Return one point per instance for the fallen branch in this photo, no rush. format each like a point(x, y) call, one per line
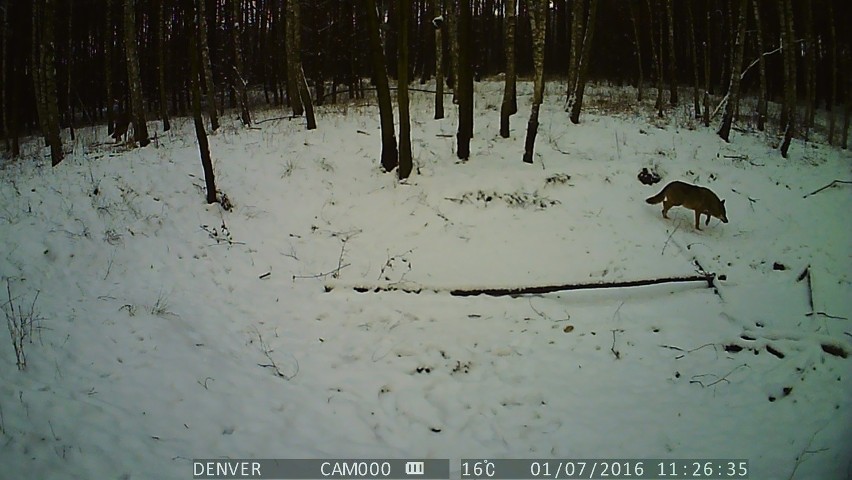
point(832, 184)
point(525, 290)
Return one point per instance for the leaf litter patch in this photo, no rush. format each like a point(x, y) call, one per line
point(514, 199)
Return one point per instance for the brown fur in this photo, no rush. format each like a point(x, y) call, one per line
point(699, 199)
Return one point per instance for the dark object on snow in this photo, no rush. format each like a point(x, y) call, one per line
point(122, 123)
point(779, 266)
point(648, 178)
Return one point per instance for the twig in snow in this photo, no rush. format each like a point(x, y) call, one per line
point(612, 348)
point(663, 251)
point(800, 458)
point(724, 378)
point(204, 384)
point(687, 352)
point(832, 184)
point(266, 352)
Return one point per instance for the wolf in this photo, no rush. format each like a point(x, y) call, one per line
point(699, 199)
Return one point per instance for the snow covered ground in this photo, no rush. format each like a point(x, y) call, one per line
point(166, 329)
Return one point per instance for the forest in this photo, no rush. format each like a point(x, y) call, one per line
point(71, 63)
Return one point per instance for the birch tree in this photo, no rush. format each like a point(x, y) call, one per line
point(736, 67)
point(538, 22)
point(510, 99)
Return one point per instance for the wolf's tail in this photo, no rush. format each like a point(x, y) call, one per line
point(657, 198)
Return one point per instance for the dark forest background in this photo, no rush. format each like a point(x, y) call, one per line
point(70, 62)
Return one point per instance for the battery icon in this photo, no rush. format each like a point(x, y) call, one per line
point(414, 468)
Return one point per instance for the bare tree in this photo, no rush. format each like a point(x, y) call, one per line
point(638, 47)
point(657, 55)
point(200, 133)
point(206, 66)
point(240, 81)
point(575, 101)
point(672, 56)
point(465, 81)
point(788, 112)
point(402, 92)
point(762, 98)
point(510, 98)
point(390, 155)
point(44, 74)
point(438, 22)
point(134, 77)
point(302, 95)
point(736, 66)
point(161, 65)
point(578, 14)
point(538, 22)
point(696, 95)
point(833, 98)
point(109, 38)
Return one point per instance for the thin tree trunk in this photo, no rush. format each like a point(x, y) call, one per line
point(465, 81)
point(736, 66)
point(292, 62)
point(810, 68)
point(161, 65)
point(538, 24)
point(37, 70)
point(762, 100)
point(240, 80)
point(69, 110)
point(206, 66)
point(672, 57)
point(708, 87)
point(439, 62)
point(4, 106)
point(402, 91)
point(134, 80)
point(696, 95)
point(510, 98)
point(453, 21)
point(638, 47)
point(657, 57)
point(109, 39)
point(200, 134)
point(578, 15)
point(583, 67)
point(787, 40)
point(48, 67)
point(830, 104)
point(390, 154)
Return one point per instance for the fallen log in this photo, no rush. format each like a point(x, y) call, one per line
point(525, 290)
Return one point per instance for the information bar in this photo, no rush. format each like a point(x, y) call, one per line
point(636, 469)
point(310, 469)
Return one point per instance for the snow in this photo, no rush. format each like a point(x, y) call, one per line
point(156, 340)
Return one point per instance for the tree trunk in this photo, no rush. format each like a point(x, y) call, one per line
point(453, 21)
point(4, 106)
point(240, 77)
point(134, 79)
point(696, 95)
point(161, 65)
point(672, 56)
point(538, 24)
point(708, 87)
point(762, 100)
point(109, 39)
point(578, 15)
point(36, 66)
point(510, 98)
point(402, 91)
point(830, 104)
point(206, 67)
point(736, 67)
point(638, 47)
point(201, 135)
point(788, 42)
point(69, 62)
point(47, 60)
point(439, 62)
point(583, 67)
point(656, 53)
point(465, 81)
point(390, 155)
point(810, 68)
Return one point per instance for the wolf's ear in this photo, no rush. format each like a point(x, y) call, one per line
point(723, 202)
